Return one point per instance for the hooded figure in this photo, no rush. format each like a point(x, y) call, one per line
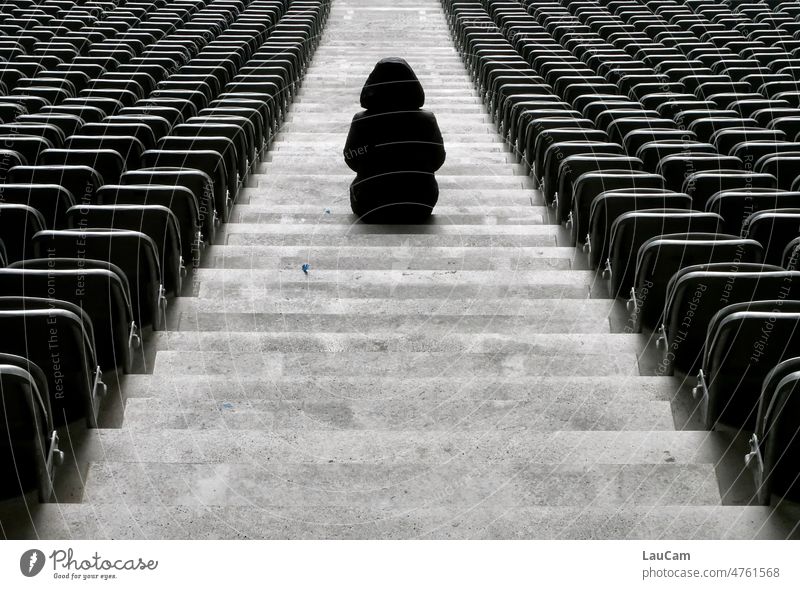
point(394, 147)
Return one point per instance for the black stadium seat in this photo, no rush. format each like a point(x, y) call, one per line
point(28, 443)
point(744, 341)
point(158, 222)
point(106, 162)
point(51, 200)
point(196, 181)
point(660, 257)
point(704, 290)
point(100, 288)
point(774, 445)
point(75, 381)
point(773, 229)
point(607, 206)
point(630, 230)
point(132, 251)
point(204, 160)
point(80, 181)
point(589, 185)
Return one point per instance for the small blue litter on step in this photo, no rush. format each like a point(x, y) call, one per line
point(327, 211)
point(227, 405)
point(305, 268)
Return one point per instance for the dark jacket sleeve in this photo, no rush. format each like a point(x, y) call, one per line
point(356, 149)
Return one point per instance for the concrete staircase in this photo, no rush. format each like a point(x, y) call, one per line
point(460, 379)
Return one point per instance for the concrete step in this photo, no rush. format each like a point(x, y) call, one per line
point(188, 390)
point(153, 414)
point(546, 347)
point(388, 258)
point(589, 319)
point(572, 362)
point(433, 448)
point(234, 286)
point(456, 484)
point(260, 234)
point(300, 213)
point(423, 404)
point(484, 521)
point(271, 355)
point(436, 310)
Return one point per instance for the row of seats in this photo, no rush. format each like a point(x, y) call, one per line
point(127, 131)
point(665, 135)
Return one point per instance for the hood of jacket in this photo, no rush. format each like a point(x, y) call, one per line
point(392, 85)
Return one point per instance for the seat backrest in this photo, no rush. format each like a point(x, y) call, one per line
point(784, 166)
point(705, 127)
point(51, 200)
point(704, 290)
point(132, 251)
point(791, 255)
point(630, 230)
point(113, 126)
point(74, 393)
point(589, 185)
point(106, 162)
point(634, 139)
point(26, 428)
point(18, 224)
point(81, 181)
point(196, 181)
point(9, 159)
point(127, 146)
point(207, 161)
point(677, 167)
point(752, 151)
point(660, 257)
point(99, 291)
point(156, 221)
point(240, 150)
point(773, 229)
point(743, 343)
point(28, 146)
point(557, 152)
point(701, 186)
point(67, 124)
point(727, 139)
point(573, 166)
point(776, 437)
point(618, 129)
point(171, 114)
point(34, 129)
point(652, 152)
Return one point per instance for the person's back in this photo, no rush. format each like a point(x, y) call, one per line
point(394, 147)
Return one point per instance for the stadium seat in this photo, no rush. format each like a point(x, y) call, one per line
point(75, 381)
point(773, 447)
point(743, 343)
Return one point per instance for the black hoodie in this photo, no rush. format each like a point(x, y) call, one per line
point(394, 146)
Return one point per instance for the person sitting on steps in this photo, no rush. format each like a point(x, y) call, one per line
point(394, 146)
